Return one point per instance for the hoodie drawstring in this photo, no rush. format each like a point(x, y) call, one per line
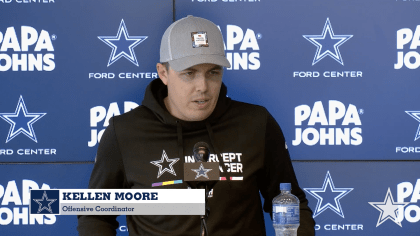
point(211, 136)
point(180, 142)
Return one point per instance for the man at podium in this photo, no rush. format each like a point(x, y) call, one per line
point(148, 146)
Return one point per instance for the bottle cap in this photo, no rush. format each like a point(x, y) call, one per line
point(285, 186)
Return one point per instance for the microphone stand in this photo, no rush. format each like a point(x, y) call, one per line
point(201, 154)
point(203, 228)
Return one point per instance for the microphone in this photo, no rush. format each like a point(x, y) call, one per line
point(201, 172)
point(201, 152)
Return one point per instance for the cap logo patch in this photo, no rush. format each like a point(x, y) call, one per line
point(199, 39)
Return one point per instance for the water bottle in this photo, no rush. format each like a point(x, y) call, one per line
point(286, 212)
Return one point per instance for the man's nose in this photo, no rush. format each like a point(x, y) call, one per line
point(201, 83)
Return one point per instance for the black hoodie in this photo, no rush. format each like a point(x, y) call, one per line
point(251, 149)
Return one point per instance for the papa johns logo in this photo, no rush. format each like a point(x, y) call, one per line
point(312, 135)
point(242, 48)
point(18, 211)
point(410, 59)
point(32, 51)
point(100, 113)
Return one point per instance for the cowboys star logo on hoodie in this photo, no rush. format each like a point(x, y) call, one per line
point(163, 162)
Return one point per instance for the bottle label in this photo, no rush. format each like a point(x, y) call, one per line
point(285, 214)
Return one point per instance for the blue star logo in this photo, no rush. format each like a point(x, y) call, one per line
point(327, 43)
point(122, 45)
point(416, 116)
point(21, 121)
point(44, 203)
point(201, 172)
point(328, 196)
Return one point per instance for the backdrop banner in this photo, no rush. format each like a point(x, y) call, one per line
point(340, 77)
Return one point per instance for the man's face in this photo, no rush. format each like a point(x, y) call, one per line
point(193, 92)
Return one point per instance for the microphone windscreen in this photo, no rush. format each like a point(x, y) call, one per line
point(201, 152)
point(201, 144)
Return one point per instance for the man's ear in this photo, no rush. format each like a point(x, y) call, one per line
point(162, 72)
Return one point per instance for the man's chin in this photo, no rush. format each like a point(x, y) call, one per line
point(199, 115)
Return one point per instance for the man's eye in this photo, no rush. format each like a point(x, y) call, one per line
point(188, 73)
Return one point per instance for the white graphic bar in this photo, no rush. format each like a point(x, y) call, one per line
point(129, 202)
